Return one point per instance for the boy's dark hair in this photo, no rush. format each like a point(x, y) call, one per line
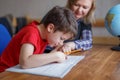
point(63, 19)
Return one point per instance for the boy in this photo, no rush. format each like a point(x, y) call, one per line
point(27, 46)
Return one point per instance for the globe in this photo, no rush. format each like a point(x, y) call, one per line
point(112, 23)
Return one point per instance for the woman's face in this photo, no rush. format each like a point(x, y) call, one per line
point(81, 8)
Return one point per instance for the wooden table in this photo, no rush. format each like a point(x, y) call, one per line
point(100, 63)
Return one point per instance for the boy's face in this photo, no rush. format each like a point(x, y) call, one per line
point(57, 38)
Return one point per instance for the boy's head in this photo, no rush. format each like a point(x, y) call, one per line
point(63, 21)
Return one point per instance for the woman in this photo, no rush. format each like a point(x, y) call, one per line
point(84, 13)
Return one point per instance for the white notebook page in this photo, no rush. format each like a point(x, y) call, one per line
point(53, 70)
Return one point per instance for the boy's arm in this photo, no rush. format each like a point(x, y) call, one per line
point(28, 60)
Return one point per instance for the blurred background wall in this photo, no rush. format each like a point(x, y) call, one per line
point(38, 8)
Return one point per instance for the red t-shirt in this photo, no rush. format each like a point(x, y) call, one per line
point(29, 34)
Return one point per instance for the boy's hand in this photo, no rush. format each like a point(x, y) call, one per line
point(60, 56)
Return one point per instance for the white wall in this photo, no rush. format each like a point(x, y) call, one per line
point(102, 7)
point(34, 8)
point(38, 8)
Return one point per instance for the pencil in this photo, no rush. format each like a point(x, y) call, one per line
point(74, 51)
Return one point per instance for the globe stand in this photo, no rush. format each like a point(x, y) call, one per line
point(116, 48)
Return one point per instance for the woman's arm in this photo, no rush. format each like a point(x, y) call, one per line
point(85, 42)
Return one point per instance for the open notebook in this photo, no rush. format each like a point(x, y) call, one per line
point(53, 70)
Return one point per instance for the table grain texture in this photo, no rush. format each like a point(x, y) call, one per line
point(100, 63)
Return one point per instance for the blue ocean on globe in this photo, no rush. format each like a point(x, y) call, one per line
point(112, 20)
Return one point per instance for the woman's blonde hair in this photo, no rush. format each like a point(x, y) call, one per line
point(89, 18)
